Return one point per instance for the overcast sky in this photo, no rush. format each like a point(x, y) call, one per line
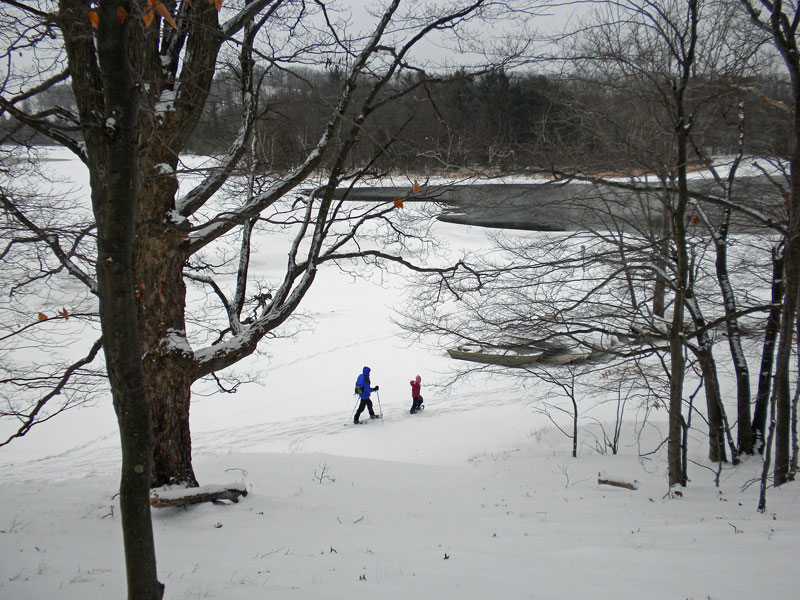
point(542, 19)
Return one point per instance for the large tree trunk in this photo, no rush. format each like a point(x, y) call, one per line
point(160, 246)
point(106, 92)
point(168, 359)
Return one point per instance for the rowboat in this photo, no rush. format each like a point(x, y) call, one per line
point(507, 358)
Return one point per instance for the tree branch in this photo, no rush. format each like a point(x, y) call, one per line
point(52, 242)
point(30, 419)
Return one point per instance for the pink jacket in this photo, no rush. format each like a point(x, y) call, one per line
point(415, 385)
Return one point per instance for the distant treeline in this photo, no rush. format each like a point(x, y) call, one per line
point(463, 121)
point(505, 121)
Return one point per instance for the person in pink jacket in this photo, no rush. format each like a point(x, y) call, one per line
point(416, 397)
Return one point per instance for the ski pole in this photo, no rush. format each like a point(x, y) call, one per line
point(380, 410)
point(355, 408)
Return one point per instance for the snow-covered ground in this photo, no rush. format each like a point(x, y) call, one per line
point(477, 497)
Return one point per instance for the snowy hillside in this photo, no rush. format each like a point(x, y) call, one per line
point(475, 498)
point(375, 511)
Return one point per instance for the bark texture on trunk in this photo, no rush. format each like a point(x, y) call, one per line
point(168, 360)
point(109, 103)
point(160, 249)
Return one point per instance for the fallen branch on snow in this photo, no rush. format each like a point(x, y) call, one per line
point(161, 498)
point(622, 484)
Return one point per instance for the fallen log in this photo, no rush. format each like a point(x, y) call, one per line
point(622, 484)
point(161, 498)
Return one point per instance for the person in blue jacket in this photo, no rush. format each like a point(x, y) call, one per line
point(364, 389)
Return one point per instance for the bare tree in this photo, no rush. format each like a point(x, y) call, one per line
point(780, 21)
point(690, 58)
point(176, 49)
point(140, 74)
point(650, 81)
point(563, 379)
point(114, 203)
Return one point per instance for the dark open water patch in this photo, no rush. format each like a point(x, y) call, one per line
point(575, 206)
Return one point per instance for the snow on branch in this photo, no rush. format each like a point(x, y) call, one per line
point(223, 223)
point(181, 496)
point(42, 126)
point(198, 196)
point(175, 341)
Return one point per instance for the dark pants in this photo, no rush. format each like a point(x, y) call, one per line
point(365, 403)
point(417, 402)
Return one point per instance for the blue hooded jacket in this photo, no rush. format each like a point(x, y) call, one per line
point(364, 383)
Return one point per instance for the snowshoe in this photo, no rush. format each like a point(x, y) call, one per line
point(375, 416)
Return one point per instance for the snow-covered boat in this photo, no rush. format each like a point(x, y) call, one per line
point(506, 358)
